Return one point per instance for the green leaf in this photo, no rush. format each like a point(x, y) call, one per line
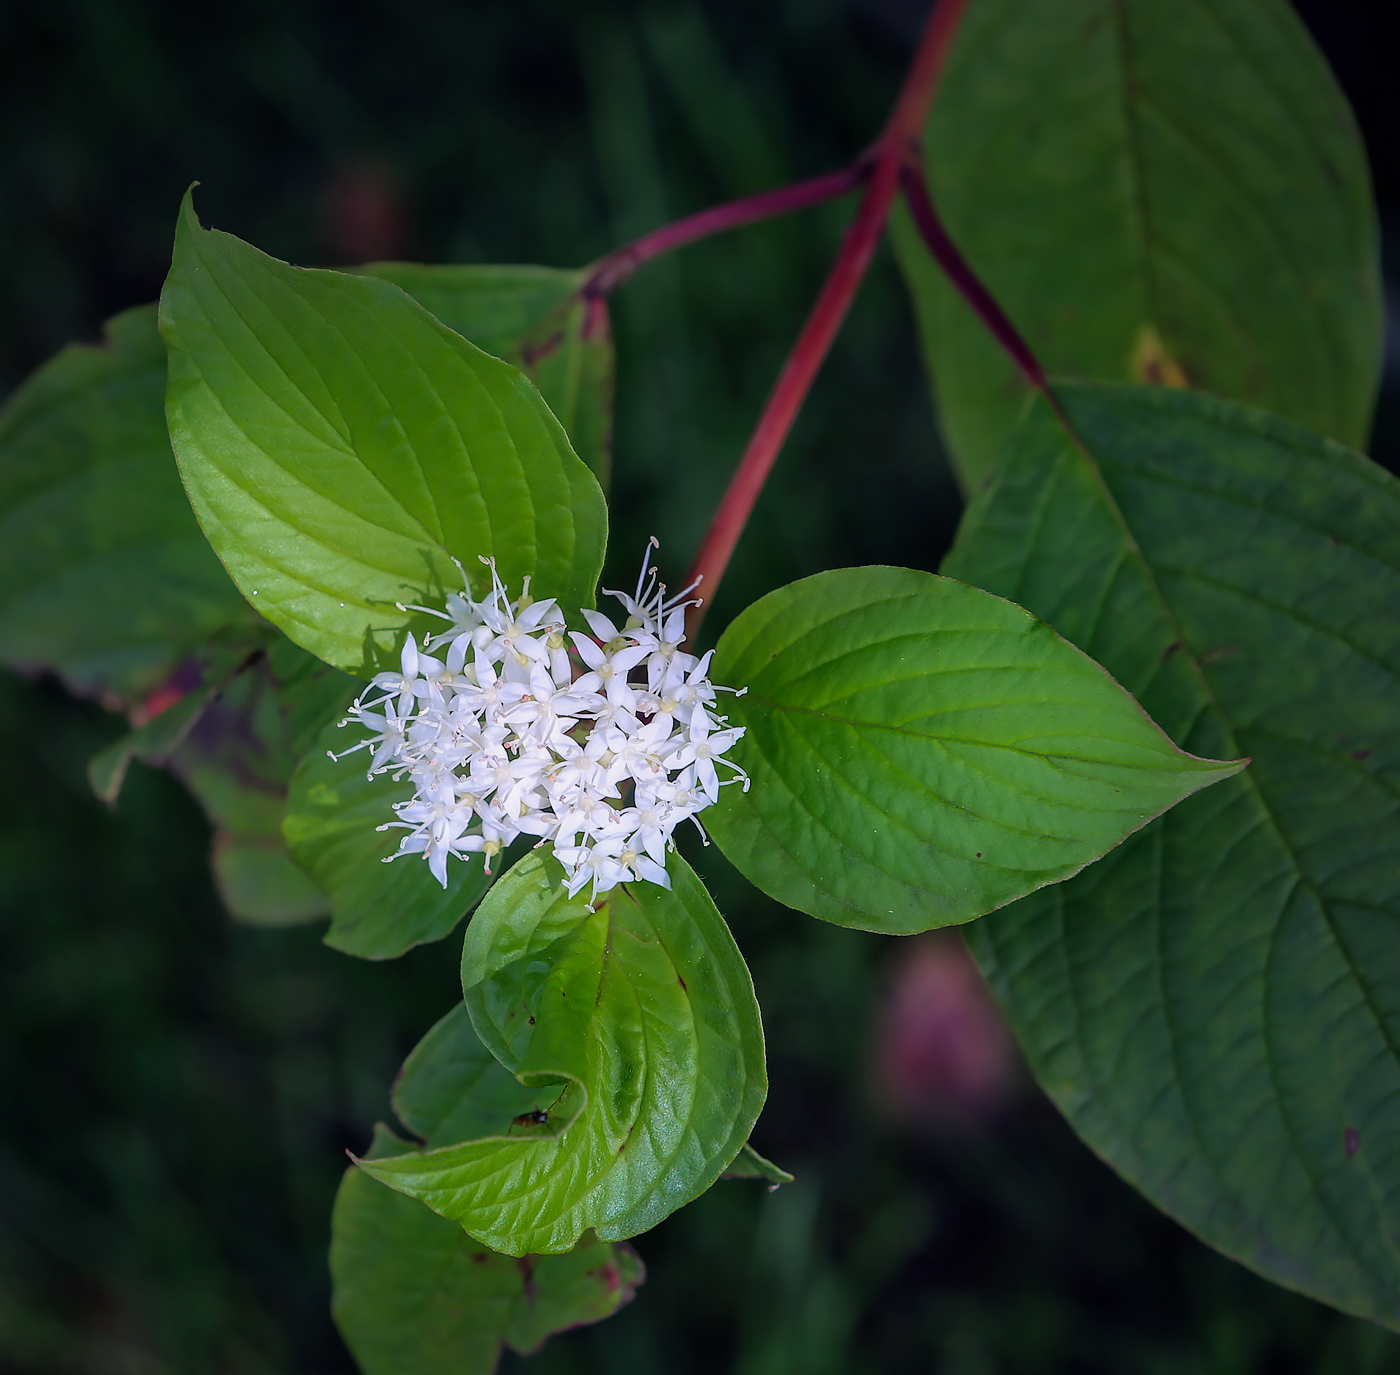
point(237, 759)
point(332, 827)
point(415, 1295)
point(1153, 191)
point(495, 306)
point(152, 743)
point(535, 318)
point(644, 1012)
point(189, 693)
point(748, 1164)
point(105, 578)
point(922, 752)
point(232, 737)
point(451, 1088)
point(310, 693)
point(259, 883)
point(341, 447)
point(1216, 1005)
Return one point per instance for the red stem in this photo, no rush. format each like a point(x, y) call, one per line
point(895, 149)
point(614, 269)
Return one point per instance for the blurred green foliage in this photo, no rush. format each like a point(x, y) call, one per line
point(179, 1091)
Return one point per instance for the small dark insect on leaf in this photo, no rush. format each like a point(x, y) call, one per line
point(536, 1117)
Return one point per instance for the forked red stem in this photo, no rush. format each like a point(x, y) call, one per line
point(895, 149)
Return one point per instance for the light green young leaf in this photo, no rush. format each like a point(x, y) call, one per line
point(532, 317)
point(332, 826)
point(1154, 191)
point(644, 1012)
point(923, 752)
point(341, 447)
point(748, 1164)
point(1216, 1005)
point(105, 578)
point(415, 1295)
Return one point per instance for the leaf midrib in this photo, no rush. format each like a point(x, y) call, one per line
point(905, 731)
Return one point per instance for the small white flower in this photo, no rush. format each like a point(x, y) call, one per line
point(601, 753)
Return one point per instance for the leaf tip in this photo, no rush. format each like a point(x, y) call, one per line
point(189, 217)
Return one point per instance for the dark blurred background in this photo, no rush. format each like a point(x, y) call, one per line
point(178, 1091)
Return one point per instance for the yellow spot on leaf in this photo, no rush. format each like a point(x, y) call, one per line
point(1151, 362)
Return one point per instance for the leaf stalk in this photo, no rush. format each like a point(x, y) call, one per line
point(614, 269)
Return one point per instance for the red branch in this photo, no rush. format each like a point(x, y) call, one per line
point(895, 149)
point(609, 272)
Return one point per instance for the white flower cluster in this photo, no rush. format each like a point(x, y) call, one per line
point(601, 749)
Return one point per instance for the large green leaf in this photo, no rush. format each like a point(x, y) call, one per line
point(1154, 191)
point(638, 1023)
point(105, 578)
point(341, 446)
point(1216, 1005)
point(922, 752)
point(415, 1295)
point(535, 318)
point(332, 825)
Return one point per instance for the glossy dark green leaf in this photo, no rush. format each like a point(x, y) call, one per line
point(532, 317)
point(1154, 191)
point(640, 1018)
point(1216, 1005)
point(341, 447)
point(105, 578)
point(922, 752)
point(332, 826)
point(415, 1295)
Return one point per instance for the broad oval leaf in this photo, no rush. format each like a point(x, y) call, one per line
point(641, 1016)
point(922, 752)
point(1154, 192)
point(341, 447)
point(535, 318)
point(105, 578)
point(415, 1294)
point(1216, 1005)
point(333, 826)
